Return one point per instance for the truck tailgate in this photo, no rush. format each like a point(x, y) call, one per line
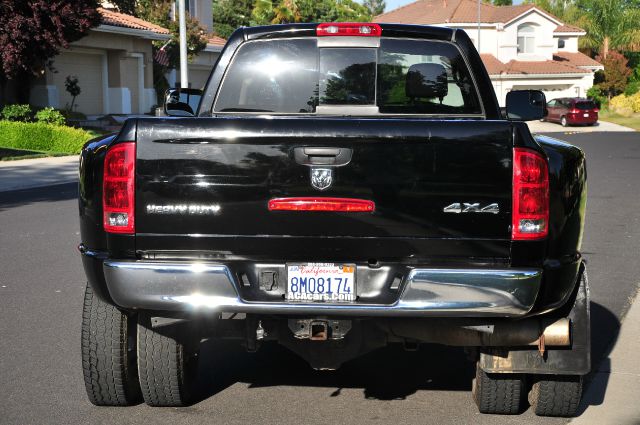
point(200, 178)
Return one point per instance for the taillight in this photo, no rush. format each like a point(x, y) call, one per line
point(321, 204)
point(353, 29)
point(118, 187)
point(530, 195)
point(574, 111)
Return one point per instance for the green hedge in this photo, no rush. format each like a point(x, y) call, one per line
point(42, 137)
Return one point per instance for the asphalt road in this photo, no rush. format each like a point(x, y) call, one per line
point(41, 292)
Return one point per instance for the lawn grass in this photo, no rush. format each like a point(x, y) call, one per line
point(20, 140)
point(8, 154)
point(632, 121)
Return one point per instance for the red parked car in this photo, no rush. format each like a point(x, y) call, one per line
point(572, 111)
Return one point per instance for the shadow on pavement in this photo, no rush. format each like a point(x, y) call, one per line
point(18, 198)
point(390, 373)
point(605, 328)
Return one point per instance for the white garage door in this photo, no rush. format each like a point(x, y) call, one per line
point(88, 69)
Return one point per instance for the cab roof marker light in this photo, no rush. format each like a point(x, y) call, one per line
point(348, 29)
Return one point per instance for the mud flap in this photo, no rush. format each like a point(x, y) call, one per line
point(574, 360)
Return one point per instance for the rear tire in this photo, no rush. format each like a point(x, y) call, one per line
point(498, 393)
point(563, 121)
point(558, 396)
point(108, 354)
point(167, 362)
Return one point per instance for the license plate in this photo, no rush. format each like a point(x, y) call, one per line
point(321, 282)
point(586, 115)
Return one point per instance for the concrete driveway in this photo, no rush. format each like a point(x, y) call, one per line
point(552, 127)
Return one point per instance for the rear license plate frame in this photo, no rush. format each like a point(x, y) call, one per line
point(329, 295)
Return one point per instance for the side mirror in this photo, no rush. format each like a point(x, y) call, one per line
point(182, 102)
point(526, 105)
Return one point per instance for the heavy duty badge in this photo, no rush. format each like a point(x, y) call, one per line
point(321, 178)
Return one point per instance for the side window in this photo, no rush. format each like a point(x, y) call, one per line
point(552, 103)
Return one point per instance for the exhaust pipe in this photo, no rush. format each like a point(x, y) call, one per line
point(531, 332)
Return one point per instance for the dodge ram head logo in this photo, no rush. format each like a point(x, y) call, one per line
point(321, 178)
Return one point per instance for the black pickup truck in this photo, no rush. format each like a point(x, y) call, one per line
point(337, 188)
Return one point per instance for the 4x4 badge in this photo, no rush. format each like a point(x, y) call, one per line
point(321, 178)
point(467, 207)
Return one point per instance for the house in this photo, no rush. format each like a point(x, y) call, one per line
point(114, 67)
point(522, 47)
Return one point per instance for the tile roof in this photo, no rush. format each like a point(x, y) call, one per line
point(493, 65)
point(428, 12)
point(568, 28)
point(116, 19)
point(576, 59)
point(215, 40)
point(559, 65)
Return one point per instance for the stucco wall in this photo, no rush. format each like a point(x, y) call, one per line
point(553, 88)
point(127, 70)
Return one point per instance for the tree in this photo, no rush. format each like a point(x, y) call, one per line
point(231, 14)
point(262, 12)
point(351, 11)
point(375, 7)
point(567, 11)
point(73, 88)
point(502, 2)
point(159, 13)
point(610, 24)
point(125, 6)
point(32, 32)
point(616, 73)
point(286, 12)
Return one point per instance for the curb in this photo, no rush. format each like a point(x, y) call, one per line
point(613, 394)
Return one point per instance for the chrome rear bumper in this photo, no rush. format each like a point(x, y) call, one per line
point(427, 292)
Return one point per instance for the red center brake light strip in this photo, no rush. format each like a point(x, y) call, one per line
point(322, 204)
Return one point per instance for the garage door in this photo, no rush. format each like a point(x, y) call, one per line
point(88, 69)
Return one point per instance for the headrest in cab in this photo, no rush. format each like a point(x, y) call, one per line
point(427, 80)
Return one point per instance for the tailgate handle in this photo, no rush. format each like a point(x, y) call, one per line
point(322, 156)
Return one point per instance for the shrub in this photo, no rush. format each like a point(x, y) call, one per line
point(625, 105)
point(50, 116)
point(17, 112)
point(41, 136)
point(632, 88)
point(595, 94)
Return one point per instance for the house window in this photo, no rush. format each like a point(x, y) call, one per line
point(561, 43)
point(526, 38)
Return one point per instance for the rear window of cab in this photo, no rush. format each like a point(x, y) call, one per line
point(295, 76)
